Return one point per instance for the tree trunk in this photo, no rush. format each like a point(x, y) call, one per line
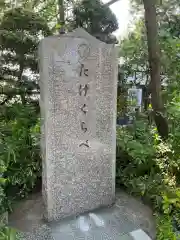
point(61, 16)
point(155, 68)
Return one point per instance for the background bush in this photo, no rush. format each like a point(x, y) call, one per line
point(149, 167)
point(20, 155)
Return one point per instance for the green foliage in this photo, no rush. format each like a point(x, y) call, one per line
point(21, 155)
point(150, 168)
point(165, 229)
point(7, 233)
point(134, 51)
point(95, 18)
point(2, 194)
point(133, 48)
point(137, 168)
point(20, 164)
point(147, 165)
point(21, 31)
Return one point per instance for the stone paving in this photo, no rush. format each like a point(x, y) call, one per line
point(127, 219)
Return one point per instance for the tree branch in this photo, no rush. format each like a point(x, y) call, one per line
point(108, 4)
point(19, 92)
point(11, 94)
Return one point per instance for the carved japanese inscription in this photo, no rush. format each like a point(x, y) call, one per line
point(78, 86)
point(84, 109)
point(86, 144)
point(83, 89)
point(83, 71)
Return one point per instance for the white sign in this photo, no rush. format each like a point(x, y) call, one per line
point(135, 97)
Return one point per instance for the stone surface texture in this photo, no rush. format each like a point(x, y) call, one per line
point(78, 88)
point(121, 221)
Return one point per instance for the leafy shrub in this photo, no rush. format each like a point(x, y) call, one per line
point(165, 229)
point(7, 233)
point(20, 164)
point(21, 151)
point(150, 168)
point(2, 194)
point(135, 154)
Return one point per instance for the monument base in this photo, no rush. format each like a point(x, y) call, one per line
point(76, 185)
point(122, 221)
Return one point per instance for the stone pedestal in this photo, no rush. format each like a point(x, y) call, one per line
point(78, 76)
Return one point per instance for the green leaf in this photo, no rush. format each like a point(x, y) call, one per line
point(58, 26)
point(2, 180)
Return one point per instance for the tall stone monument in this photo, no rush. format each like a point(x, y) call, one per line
point(78, 76)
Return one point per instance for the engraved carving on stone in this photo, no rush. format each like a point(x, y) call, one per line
point(84, 129)
point(83, 89)
point(86, 144)
point(83, 71)
point(83, 51)
point(83, 109)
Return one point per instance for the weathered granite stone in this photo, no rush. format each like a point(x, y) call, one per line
point(78, 76)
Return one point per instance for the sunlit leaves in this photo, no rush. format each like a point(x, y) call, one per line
point(7, 233)
point(93, 16)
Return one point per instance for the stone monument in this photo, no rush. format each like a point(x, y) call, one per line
point(78, 76)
